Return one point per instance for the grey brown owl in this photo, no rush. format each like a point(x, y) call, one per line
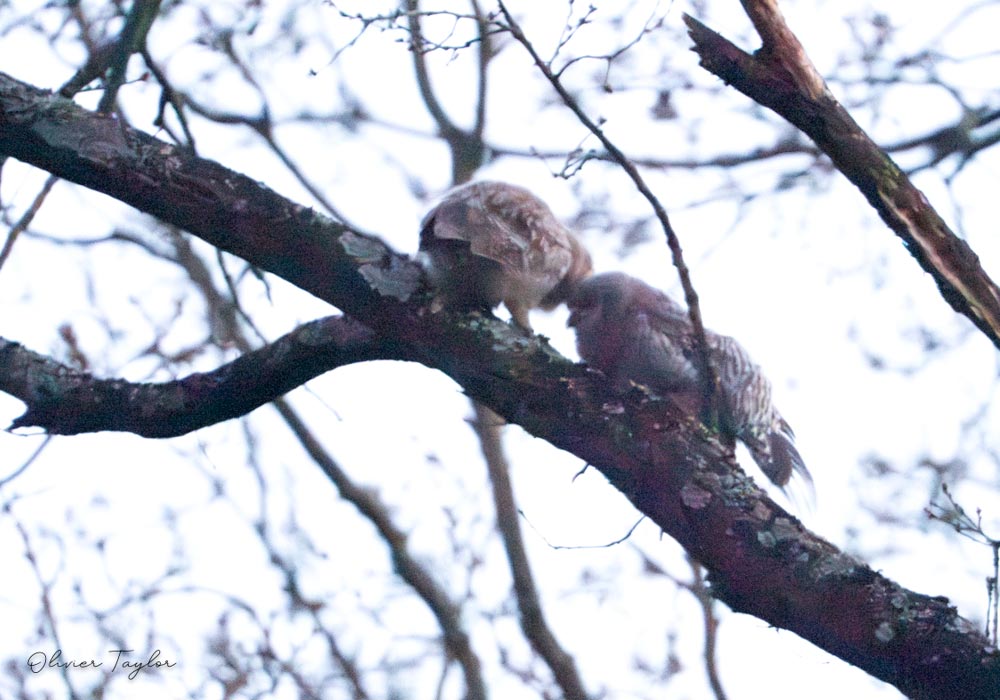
point(635, 333)
point(491, 242)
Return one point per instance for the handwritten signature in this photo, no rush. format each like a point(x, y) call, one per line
point(39, 661)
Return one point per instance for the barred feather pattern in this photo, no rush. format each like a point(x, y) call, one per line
point(634, 333)
point(491, 242)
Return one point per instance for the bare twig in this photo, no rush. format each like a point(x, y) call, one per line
point(699, 588)
point(27, 463)
point(956, 517)
point(26, 218)
point(468, 153)
point(445, 611)
point(709, 378)
point(532, 616)
point(371, 507)
point(132, 40)
point(702, 592)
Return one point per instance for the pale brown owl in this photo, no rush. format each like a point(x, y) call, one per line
point(635, 333)
point(491, 242)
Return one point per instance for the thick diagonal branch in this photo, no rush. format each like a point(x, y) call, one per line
point(781, 77)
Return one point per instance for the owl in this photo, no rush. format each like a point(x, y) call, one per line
point(634, 333)
point(491, 242)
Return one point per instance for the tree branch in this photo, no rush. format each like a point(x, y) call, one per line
point(531, 615)
point(760, 560)
point(707, 373)
point(780, 76)
point(65, 401)
point(408, 566)
point(467, 149)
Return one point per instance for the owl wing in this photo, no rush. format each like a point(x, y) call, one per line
point(662, 333)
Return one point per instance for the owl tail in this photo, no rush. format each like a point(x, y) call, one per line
point(777, 457)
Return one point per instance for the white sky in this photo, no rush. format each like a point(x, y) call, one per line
point(808, 280)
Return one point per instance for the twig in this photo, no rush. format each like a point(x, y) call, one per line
point(709, 378)
point(532, 616)
point(26, 218)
